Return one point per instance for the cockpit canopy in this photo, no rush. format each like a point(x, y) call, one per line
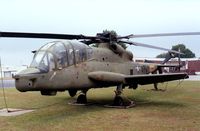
point(60, 54)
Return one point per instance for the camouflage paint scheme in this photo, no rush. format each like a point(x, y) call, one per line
point(106, 66)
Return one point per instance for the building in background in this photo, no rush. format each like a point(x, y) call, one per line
point(190, 65)
point(8, 71)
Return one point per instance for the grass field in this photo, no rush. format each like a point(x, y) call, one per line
point(177, 108)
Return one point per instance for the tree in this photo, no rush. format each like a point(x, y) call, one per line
point(163, 55)
point(187, 53)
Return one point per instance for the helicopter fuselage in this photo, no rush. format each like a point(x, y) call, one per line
point(76, 76)
point(74, 65)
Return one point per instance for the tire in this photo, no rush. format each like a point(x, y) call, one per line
point(82, 99)
point(118, 101)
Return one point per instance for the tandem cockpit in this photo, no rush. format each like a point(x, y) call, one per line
point(60, 54)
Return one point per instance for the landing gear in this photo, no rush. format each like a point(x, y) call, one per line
point(82, 98)
point(156, 86)
point(72, 92)
point(120, 100)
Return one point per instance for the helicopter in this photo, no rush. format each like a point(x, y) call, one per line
point(71, 64)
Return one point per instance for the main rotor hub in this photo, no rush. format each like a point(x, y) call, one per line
point(107, 36)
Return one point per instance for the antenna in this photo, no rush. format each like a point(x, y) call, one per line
point(2, 85)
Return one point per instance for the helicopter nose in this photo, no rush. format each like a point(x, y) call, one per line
point(26, 79)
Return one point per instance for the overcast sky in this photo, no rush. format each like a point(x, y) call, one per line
point(89, 17)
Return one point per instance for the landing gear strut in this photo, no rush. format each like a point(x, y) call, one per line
point(121, 100)
point(156, 86)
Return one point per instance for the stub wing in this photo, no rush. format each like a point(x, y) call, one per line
point(117, 78)
point(154, 78)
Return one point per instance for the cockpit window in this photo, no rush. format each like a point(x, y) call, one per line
point(89, 52)
point(45, 47)
point(80, 51)
point(43, 61)
point(37, 59)
point(70, 55)
point(61, 54)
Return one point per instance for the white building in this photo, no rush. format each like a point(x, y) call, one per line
point(8, 71)
point(189, 65)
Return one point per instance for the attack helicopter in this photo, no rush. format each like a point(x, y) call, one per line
point(72, 65)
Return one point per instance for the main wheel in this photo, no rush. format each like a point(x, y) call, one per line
point(82, 99)
point(118, 101)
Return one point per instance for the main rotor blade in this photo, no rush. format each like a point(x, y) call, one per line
point(164, 34)
point(150, 46)
point(43, 35)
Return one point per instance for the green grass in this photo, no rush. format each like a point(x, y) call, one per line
point(177, 108)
